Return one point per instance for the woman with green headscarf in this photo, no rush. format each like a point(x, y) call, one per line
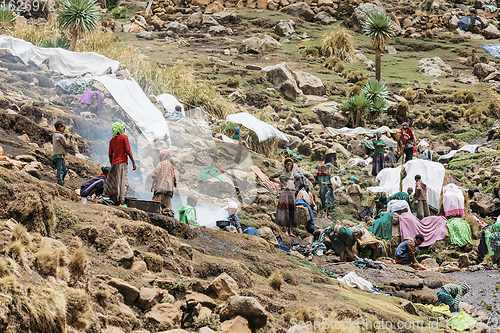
point(119, 151)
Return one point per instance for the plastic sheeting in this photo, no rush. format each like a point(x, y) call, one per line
point(59, 60)
point(358, 130)
point(449, 156)
point(397, 205)
point(389, 179)
point(263, 130)
point(129, 95)
point(354, 281)
point(169, 102)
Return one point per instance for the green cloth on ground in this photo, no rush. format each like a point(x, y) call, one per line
point(378, 149)
point(187, 215)
point(382, 227)
point(459, 231)
point(205, 171)
point(461, 322)
point(293, 155)
point(442, 309)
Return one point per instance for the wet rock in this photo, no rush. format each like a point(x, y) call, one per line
point(324, 18)
point(224, 286)
point(285, 81)
point(310, 84)
point(129, 292)
point(121, 251)
point(236, 325)
point(285, 28)
point(300, 9)
point(466, 307)
point(409, 307)
point(247, 307)
point(165, 314)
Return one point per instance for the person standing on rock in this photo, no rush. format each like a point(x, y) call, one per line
point(407, 141)
point(354, 191)
point(420, 197)
point(378, 155)
point(286, 213)
point(60, 144)
point(407, 252)
point(164, 180)
point(323, 178)
point(451, 294)
point(119, 151)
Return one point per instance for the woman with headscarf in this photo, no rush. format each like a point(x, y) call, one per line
point(164, 180)
point(354, 191)
point(323, 178)
point(378, 155)
point(343, 239)
point(119, 151)
point(406, 141)
point(286, 214)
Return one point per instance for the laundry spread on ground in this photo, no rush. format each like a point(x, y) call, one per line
point(382, 227)
point(492, 49)
point(453, 202)
point(459, 231)
point(263, 130)
point(205, 171)
point(358, 131)
point(461, 322)
point(433, 228)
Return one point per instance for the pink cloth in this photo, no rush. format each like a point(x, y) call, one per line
point(453, 202)
point(433, 228)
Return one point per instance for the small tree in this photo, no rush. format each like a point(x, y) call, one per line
point(6, 16)
point(78, 16)
point(380, 29)
point(377, 92)
point(357, 105)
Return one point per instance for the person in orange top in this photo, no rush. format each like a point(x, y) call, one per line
point(407, 141)
point(119, 151)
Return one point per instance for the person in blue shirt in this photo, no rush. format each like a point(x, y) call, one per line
point(232, 218)
point(94, 185)
point(408, 250)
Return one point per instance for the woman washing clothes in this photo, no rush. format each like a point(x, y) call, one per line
point(286, 213)
point(94, 185)
point(343, 239)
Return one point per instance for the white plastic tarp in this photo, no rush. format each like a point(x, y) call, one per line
point(129, 95)
point(263, 130)
point(389, 179)
point(355, 281)
point(59, 60)
point(432, 175)
point(397, 205)
point(358, 131)
point(468, 148)
point(169, 102)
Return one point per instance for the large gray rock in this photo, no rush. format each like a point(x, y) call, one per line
point(177, 27)
point(145, 34)
point(282, 77)
point(299, 9)
point(247, 307)
point(362, 12)
point(260, 45)
point(330, 115)
point(482, 70)
point(198, 20)
point(435, 67)
point(121, 251)
point(284, 28)
point(491, 32)
point(324, 18)
point(310, 84)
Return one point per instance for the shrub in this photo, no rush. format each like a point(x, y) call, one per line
point(459, 97)
point(78, 263)
point(276, 280)
point(438, 122)
point(338, 43)
point(355, 76)
point(17, 251)
point(494, 108)
point(21, 233)
point(119, 12)
point(275, 36)
point(59, 42)
point(233, 82)
point(410, 95)
point(354, 90)
point(6, 15)
point(76, 306)
point(470, 98)
point(312, 51)
point(475, 115)
point(48, 259)
point(154, 262)
point(290, 278)
point(403, 109)
point(421, 122)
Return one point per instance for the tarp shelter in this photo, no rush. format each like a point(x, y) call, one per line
point(358, 131)
point(127, 93)
point(169, 102)
point(432, 175)
point(492, 49)
point(465, 23)
point(263, 130)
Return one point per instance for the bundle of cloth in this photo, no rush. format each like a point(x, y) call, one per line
point(433, 228)
point(453, 201)
point(459, 231)
point(382, 227)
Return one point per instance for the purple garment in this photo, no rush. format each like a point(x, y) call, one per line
point(87, 98)
point(90, 184)
point(433, 228)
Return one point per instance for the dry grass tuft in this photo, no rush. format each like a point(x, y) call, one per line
point(290, 278)
point(78, 263)
point(154, 262)
point(76, 307)
point(102, 296)
point(338, 43)
point(48, 259)
point(276, 280)
point(21, 233)
point(17, 251)
point(4, 268)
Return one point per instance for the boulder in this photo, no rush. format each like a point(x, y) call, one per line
point(482, 204)
point(435, 67)
point(284, 80)
point(214, 7)
point(269, 236)
point(310, 84)
point(236, 325)
point(329, 115)
point(299, 9)
point(195, 20)
point(362, 13)
point(285, 28)
point(422, 297)
point(145, 34)
point(441, 150)
point(482, 70)
point(463, 260)
point(147, 298)
point(121, 251)
point(218, 30)
point(224, 286)
point(129, 292)
point(139, 266)
point(491, 32)
point(357, 147)
point(194, 298)
point(208, 21)
point(409, 307)
point(26, 158)
point(247, 307)
point(324, 18)
point(452, 143)
point(226, 17)
point(260, 45)
point(34, 169)
point(177, 27)
point(126, 310)
point(157, 22)
point(303, 216)
point(165, 314)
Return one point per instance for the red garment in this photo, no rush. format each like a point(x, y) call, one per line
point(410, 134)
point(119, 149)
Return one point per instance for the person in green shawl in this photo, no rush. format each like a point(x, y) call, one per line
point(378, 156)
point(343, 239)
point(187, 213)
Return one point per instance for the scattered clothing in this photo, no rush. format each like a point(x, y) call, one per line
point(382, 292)
point(382, 227)
point(88, 96)
point(494, 245)
point(441, 309)
point(116, 185)
point(433, 228)
point(398, 206)
point(453, 202)
point(401, 196)
point(96, 184)
point(311, 227)
point(406, 252)
point(67, 84)
point(462, 321)
point(331, 274)
point(368, 263)
point(205, 171)
point(366, 211)
point(459, 231)
point(187, 215)
point(354, 281)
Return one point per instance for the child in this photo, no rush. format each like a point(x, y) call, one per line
point(232, 208)
point(94, 185)
point(187, 213)
point(60, 143)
